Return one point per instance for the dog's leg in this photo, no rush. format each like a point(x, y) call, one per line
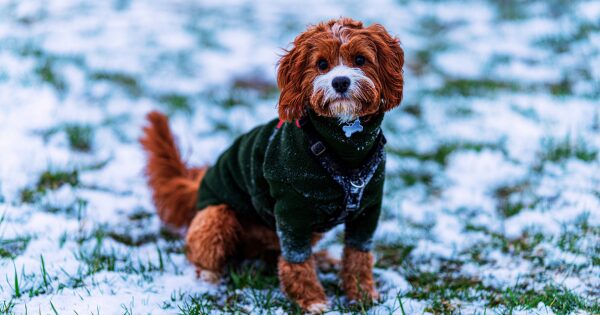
point(212, 237)
point(357, 275)
point(300, 283)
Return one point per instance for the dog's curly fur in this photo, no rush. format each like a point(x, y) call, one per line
point(357, 275)
point(300, 283)
point(174, 185)
point(217, 233)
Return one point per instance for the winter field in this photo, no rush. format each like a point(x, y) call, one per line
point(492, 201)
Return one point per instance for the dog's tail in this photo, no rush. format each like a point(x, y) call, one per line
point(174, 185)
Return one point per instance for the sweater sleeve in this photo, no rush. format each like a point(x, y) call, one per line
point(293, 224)
point(360, 230)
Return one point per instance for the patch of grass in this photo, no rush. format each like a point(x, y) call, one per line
point(46, 70)
point(512, 199)
point(11, 248)
point(575, 236)
point(140, 214)
point(522, 246)
point(175, 103)
point(199, 305)
point(392, 255)
point(510, 10)
point(80, 137)
point(127, 82)
point(97, 259)
point(49, 180)
point(459, 111)
point(422, 62)
point(431, 25)
point(475, 87)
point(244, 91)
point(562, 87)
point(131, 240)
point(560, 300)
point(558, 150)
point(230, 98)
point(413, 109)
point(445, 289)
point(411, 178)
point(76, 209)
point(442, 289)
point(440, 154)
point(250, 289)
point(256, 277)
point(29, 285)
point(561, 42)
point(7, 306)
point(262, 88)
point(54, 179)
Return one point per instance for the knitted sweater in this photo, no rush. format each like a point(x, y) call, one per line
point(270, 175)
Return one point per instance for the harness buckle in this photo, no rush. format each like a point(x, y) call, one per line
point(360, 183)
point(318, 148)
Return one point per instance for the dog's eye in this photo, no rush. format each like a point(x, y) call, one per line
point(322, 64)
point(359, 60)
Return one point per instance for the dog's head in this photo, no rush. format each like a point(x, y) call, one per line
point(341, 69)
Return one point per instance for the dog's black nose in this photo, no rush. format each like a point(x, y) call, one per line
point(340, 84)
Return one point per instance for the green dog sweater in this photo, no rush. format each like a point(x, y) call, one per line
point(271, 176)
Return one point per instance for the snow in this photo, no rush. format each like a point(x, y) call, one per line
point(149, 49)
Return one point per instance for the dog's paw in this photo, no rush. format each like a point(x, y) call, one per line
point(317, 308)
point(208, 276)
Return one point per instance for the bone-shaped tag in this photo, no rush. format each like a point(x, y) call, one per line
point(352, 128)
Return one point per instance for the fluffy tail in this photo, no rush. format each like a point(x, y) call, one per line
point(174, 185)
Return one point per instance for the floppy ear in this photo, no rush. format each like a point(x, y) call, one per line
point(290, 78)
point(391, 60)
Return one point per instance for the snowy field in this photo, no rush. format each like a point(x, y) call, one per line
point(492, 201)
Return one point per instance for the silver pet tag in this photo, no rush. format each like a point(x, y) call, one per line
point(350, 129)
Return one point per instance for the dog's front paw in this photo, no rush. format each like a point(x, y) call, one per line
point(357, 276)
point(208, 276)
point(300, 283)
point(317, 308)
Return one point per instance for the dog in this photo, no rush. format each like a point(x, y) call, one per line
point(281, 185)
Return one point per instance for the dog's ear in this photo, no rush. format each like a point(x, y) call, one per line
point(390, 57)
point(290, 77)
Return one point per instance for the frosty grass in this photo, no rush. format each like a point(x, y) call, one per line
point(492, 201)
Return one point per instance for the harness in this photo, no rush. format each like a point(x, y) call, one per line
point(352, 181)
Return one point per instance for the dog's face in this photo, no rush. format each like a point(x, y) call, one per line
point(341, 70)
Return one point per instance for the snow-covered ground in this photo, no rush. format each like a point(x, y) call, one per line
point(492, 198)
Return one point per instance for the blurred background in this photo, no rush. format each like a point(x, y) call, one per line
point(492, 200)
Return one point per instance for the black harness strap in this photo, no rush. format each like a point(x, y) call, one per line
point(352, 181)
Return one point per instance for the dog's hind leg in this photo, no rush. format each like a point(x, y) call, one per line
point(212, 237)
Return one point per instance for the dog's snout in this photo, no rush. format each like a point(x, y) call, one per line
point(340, 84)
